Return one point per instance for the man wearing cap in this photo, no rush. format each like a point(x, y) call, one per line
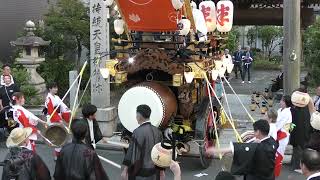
point(255, 161)
point(310, 164)
point(22, 163)
point(137, 162)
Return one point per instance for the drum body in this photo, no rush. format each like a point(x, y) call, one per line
point(158, 97)
point(57, 134)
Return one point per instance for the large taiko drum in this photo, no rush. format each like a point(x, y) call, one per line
point(158, 97)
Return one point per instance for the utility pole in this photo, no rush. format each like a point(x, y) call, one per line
point(291, 45)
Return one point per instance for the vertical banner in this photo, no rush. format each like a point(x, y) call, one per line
point(100, 89)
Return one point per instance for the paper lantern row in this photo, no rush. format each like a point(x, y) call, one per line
point(209, 17)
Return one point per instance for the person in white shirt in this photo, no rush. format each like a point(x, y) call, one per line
point(226, 59)
point(6, 71)
point(283, 126)
point(25, 118)
point(317, 99)
point(271, 117)
point(310, 164)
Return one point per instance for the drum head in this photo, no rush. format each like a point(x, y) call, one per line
point(56, 134)
point(134, 97)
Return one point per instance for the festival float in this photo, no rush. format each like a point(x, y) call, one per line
point(169, 58)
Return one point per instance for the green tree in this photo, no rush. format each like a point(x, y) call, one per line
point(252, 36)
point(270, 36)
point(67, 25)
point(311, 40)
point(233, 39)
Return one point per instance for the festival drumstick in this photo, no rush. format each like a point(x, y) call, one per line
point(46, 139)
point(124, 145)
point(110, 162)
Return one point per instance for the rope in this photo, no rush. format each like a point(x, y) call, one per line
point(224, 92)
point(55, 110)
point(77, 93)
point(232, 125)
point(251, 118)
point(85, 89)
point(214, 122)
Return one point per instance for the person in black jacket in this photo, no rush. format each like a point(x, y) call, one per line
point(253, 160)
point(77, 161)
point(137, 161)
point(237, 61)
point(310, 164)
point(94, 134)
point(22, 163)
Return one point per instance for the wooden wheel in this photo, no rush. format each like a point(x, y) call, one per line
point(204, 128)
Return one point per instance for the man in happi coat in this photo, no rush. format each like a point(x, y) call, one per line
point(255, 161)
point(137, 162)
point(78, 161)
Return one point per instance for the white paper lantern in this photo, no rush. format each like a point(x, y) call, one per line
point(199, 21)
point(105, 73)
point(184, 26)
point(161, 156)
point(224, 16)
point(193, 5)
point(315, 120)
point(222, 71)
point(108, 2)
point(214, 74)
point(119, 26)
point(116, 8)
point(218, 64)
point(189, 76)
point(230, 67)
point(177, 4)
point(208, 9)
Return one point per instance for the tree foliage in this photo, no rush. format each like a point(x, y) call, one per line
point(311, 40)
point(233, 39)
point(67, 25)
point(270, 36)
point(252, 36)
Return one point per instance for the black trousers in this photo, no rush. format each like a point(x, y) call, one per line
point(246, 69)
point(237, 67)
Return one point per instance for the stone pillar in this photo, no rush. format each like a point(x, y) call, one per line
point(72, 77)
point(99, 47)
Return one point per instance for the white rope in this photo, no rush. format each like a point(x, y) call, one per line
point(214, 122)
point(77, 93)
point(232, 125)
point(251, 118)
point(85, 89)
point(225, 94)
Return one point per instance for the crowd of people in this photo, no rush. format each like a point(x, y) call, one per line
point(242, 61)
point(260, 158)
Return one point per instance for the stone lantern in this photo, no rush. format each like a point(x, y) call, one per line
point(30, 59)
